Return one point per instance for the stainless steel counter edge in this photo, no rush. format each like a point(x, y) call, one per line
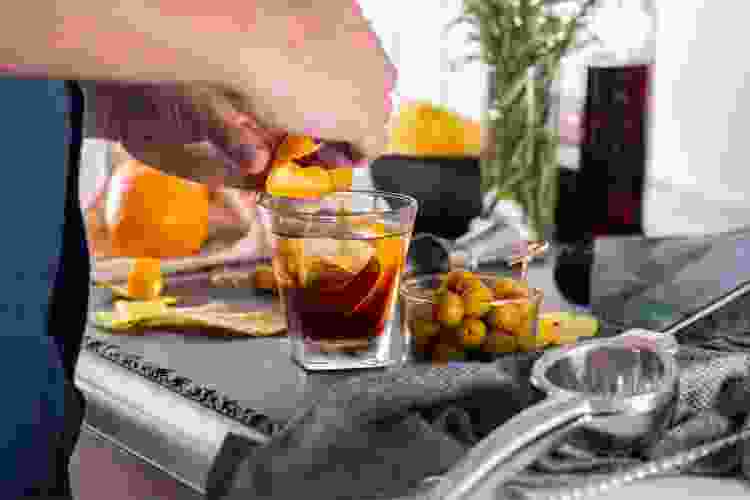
point(164, 429)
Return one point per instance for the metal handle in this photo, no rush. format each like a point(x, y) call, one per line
point(515, 465)
point(717, 304)
point(650, 469)
point(496, 449)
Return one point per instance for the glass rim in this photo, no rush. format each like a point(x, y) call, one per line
point(408, 282)
point(263, 198)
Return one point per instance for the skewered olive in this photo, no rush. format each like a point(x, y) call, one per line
point(472, 333)
point(450, 309)
point(477, 301)
point(505, 316)
point(451, 280)
point(493, 317)
point(525, 308)
point(527, 315)
point(508, 288)
point(468, 282)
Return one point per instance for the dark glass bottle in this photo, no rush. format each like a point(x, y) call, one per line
point(609, 184)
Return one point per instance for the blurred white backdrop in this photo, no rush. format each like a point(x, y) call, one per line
point(413, 35)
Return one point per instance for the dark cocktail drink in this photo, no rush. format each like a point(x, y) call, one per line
point(343, 291)
point(338, 267)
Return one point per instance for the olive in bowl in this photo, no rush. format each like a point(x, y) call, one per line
point(467, 316)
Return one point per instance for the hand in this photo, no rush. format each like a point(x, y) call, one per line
point(200, 133)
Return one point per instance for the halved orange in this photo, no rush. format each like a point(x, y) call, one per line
point(423, 128)
point(151, 214)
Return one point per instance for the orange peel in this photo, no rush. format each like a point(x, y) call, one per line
point(145, 280)
point(295, 147)
point(422, 128)
point(291, 180)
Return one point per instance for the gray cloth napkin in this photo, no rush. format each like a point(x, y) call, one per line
point(378, 435)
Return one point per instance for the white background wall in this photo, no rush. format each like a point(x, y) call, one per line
point(699, 177)
point(412, 32)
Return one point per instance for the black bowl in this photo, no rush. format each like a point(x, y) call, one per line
point(448, 189)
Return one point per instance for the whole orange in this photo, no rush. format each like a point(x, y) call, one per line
point(151, 214)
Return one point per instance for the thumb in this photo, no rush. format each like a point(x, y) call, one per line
point(372, 146)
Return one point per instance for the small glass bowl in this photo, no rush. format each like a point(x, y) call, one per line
point(501, 327)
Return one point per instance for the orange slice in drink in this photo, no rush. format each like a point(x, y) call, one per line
point(288, 262)
point(389, 252)
point(332, 263)
point(327, 276)
point(334, 289)
point(347, 298)
point(145, 280)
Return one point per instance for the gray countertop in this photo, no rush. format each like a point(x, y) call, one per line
point(181, 437)
point(256, 372)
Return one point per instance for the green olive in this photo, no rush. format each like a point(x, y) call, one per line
point(450, 280)
point(450, 310)
point(477, 301)
point(528, 317)
point(472, 333)
point(468, 282)
point(458, 279)
point(504, 287)
point(506, 316)
point(493, 317)
point(509, 288)
point(424, 329)
point(525, 308)
point(498, 342)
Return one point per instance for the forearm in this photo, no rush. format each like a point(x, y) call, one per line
point(308, 68)
point(111, 40)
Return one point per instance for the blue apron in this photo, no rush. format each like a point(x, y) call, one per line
point(43, 284)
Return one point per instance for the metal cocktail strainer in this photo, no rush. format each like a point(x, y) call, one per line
point(610, 395)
